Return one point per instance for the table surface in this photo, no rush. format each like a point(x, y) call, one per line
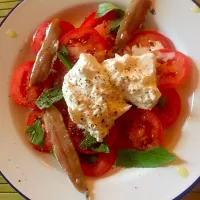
point(6, 191)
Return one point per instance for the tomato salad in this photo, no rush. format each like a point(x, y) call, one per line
point(136, 131)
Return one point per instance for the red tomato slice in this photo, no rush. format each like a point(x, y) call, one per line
point(92, 22)
point(84, 40)
point(169, 110)
point(148, 39)
point(58, 73)
point(103, 164)
point(21, 92)
point(173, 68)
point(77, 136)
point(33, 116)
point(143, 128)
point(41, 31)
point(103, 29)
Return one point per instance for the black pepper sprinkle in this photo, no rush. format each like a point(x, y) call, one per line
point(19, 181)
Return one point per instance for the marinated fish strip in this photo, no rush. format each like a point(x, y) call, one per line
point(64, 149)
point(47, 54)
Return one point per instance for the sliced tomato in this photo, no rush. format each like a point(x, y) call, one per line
point(58, 73)
point(173, 68)
point(149, 38)
point(41, 32)
point(21, 92)
point(103, 164)
point(111, 138)
point(33, 116)
point(143, 128)
point(92, 22)
point(84, 40)
point(103, 30)
point(168, 108)
point(77, 136)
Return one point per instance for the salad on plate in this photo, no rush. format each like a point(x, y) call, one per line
point(101, 94)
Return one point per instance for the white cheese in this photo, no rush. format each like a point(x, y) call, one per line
point(135, 76)
point(139, 50)
point(93, 102)
point(97, 94)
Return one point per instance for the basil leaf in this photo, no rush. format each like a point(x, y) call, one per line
point(114, 27)
point(144, 159)
point(102, 148)
point(36, 134)
point(104, 8)
point(91, 143)
point(162, 101)
point(49, 97)
point(88, 142)
point(63, 50)
point(64, 61)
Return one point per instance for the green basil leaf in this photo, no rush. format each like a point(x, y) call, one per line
point(88, 142)
point(49, 97)
point(101, 148)
point(144, 159)
point(36, 134)
point(64, 61)
point(63, 50)
point(162, 101)
point(91, 143)
point(114, 27)
point(104, 8)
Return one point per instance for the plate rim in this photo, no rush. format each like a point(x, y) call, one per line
point(186, 191)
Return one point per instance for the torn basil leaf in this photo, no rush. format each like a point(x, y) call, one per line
point(91, 143)
point(64, 61)
point(144, 159)
point(36, 134)
point(88, 141)
point(114, 27)
point(104, 8)
point(101, 148)
point(49, 97)
point(63, 50)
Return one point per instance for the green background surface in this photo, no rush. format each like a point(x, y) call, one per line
point(6, 191)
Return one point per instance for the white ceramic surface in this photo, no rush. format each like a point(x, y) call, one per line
point(40, 175)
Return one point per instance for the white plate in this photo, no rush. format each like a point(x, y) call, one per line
point(40, 175)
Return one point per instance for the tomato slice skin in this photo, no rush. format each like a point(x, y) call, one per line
point(21, 92)
point(33, 116)
point(84, 40)
point(92, 22)
point(173, 72)
point(169, 112)
point(41, 32)
point(143, 129)
point(145, 39)
point(103, 164)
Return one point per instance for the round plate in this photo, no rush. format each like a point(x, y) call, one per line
point(38, 176)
